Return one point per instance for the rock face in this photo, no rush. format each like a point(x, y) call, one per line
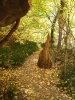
point(11, 10)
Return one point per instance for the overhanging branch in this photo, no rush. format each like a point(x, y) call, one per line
point(10, 33)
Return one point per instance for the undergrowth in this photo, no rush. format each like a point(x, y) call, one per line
point(16, 54)
point(66, 83)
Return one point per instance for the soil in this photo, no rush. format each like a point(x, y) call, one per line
point(34, 83)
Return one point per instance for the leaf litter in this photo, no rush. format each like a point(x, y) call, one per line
point(32, 82)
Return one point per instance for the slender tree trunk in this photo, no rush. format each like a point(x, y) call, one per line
point(44, 56)
point(66, 45)
point(60, 38)
point(52, 27)
point(61, 22)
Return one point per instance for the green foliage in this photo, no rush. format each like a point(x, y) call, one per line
point(10, 92)
point(22, 51)
point(17, 54)
point(67, 83)
point(51, 47)
point(42, 45)
point(3, 55)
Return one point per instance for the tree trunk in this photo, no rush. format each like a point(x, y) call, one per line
point(44, 56)
point(61, 22)
point(66, 45)
point(10, 33)
point(52, 27)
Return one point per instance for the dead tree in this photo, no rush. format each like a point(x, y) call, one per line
point(44, 56)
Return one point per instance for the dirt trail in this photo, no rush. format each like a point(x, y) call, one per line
point(35, 83)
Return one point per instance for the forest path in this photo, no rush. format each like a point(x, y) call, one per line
point(35, 83)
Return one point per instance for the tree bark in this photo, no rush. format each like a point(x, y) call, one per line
point(11, 10)
point(66, 45)
point(44, 56)
point(61, 22)
point(52, 27)
point(10, 33)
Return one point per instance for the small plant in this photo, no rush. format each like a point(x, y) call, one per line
point(10, 92)
point(67, 83)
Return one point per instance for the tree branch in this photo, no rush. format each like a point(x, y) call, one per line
point(10, 33)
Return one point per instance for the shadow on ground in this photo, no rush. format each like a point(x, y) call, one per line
point(15, 55)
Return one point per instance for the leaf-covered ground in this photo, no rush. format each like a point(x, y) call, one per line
point(32, 82)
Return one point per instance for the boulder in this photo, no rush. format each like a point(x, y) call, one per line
point(11, 10)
